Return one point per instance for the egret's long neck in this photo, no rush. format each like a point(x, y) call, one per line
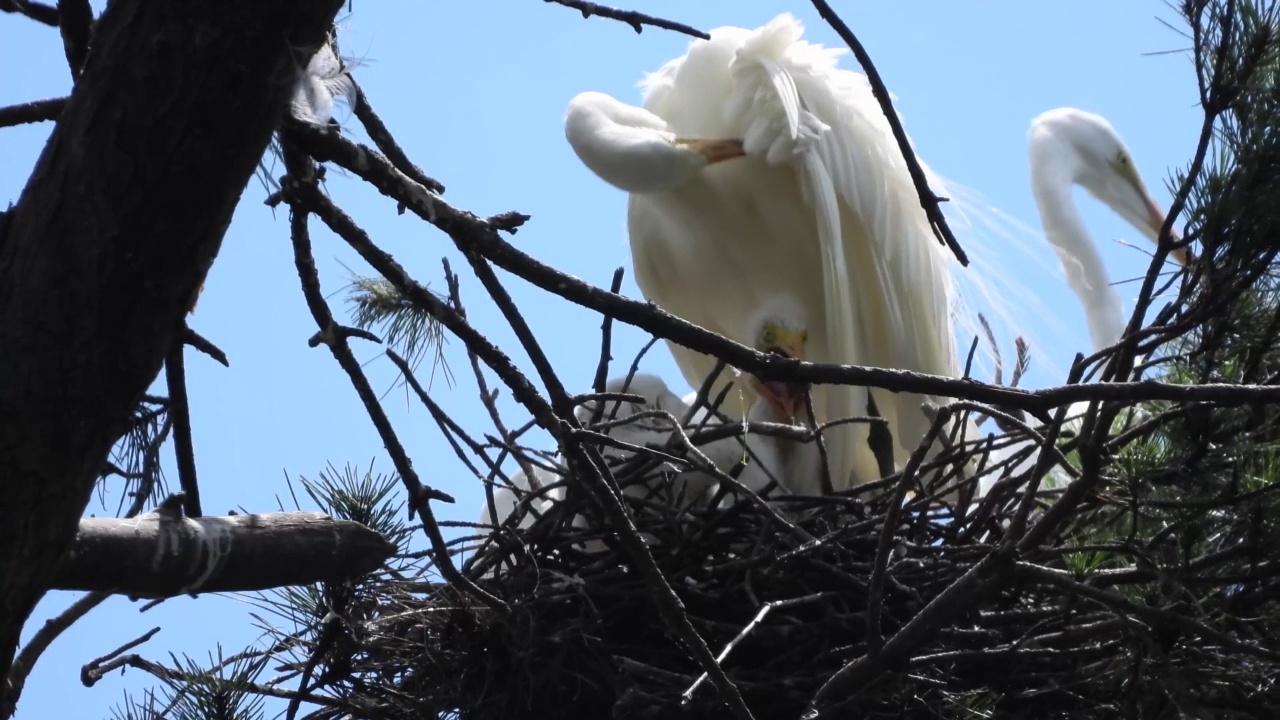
point(1086, 274)
point(626, 146)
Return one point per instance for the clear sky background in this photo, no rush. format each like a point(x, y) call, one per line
point(475, 91)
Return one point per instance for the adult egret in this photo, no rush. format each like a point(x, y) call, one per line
point(1067, 147)
point(1070, 147)
point(756, 168)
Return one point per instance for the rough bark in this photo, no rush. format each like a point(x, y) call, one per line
point(158, 555)
point(121, 218)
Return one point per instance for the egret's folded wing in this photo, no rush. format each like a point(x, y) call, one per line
point(915, 290)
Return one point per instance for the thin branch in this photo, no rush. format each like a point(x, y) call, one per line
point(204, 345)
point(94, 671)
point(636, 20)
point(875, 593)
point(32, 112)
point(1154, 615)
point(687, 697)
point(382, 138)
point(295, 187)
point(931, 202)
point(88, 677)
point(183, 446)
point(332, 624)
point(841, 687)
point(40, 641)
point(488, 399)
point(606, 348)
point(447, 427)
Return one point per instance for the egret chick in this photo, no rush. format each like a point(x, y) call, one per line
point(655, 430)
point(780, 326)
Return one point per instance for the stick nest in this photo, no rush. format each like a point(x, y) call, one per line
point(1137, 617)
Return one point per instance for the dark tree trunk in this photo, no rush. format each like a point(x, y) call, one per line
point(122, 216)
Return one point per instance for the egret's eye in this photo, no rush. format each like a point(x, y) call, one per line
point(769, 336)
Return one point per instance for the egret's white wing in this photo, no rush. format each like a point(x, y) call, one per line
point(896, 270)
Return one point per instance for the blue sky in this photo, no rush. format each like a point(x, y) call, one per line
point(475, 91)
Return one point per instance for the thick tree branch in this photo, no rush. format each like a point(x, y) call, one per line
point(38, 11)
point(161, 554)
point(75, 23)
point(120, 220)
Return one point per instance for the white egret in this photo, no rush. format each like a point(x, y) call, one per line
point(640, 432)
point(506, 498)
point(756, 168)
point(317, 87)
point(764, 459)
point(647, 429)
point(1067, 147)
point(780, 326)
point(1070, 147)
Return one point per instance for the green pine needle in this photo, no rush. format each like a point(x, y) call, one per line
point(410, 330)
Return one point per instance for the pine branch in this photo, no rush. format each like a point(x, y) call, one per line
point(403, 326)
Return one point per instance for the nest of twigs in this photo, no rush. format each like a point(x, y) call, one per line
point(817, 607)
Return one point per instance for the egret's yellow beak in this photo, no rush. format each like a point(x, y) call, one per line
point(787, 343)
point(786, 396)
point(714, 150)
point(1156, 219)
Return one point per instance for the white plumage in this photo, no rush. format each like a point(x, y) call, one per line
point(1069, 147)
point(317, 87)
point(649, 423)
point(819, 207)
point(506, 498)
point(654, 428)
